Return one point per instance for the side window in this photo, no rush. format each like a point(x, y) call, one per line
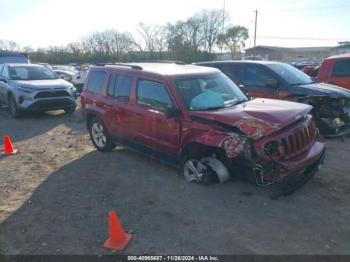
point(96, 80)
point(120, 86)
point(232, 71)
point(153, 95)
point(255, 76)
point(1, 69)
point(341, 69)
point(111, 85)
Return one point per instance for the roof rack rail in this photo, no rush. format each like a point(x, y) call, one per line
point(161, 61)
point(128, 65)
point(136, 67)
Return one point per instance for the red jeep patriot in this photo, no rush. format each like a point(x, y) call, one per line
point(197, 118)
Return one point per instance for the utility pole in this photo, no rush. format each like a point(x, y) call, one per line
point(223, 24)
point(256, 25)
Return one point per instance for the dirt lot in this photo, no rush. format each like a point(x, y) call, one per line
point(56, 193)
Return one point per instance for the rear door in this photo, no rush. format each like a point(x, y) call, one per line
point(117, 103)
point(254, 79)
point(341, 74)
point(150, 124)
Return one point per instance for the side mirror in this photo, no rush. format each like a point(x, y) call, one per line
point(271, 83)
point(172, 111)
point(3, 79)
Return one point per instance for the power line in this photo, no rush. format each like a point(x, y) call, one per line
point(303, 38)
point(309, 8)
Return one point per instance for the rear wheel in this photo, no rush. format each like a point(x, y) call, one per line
point(13, 107)
point(99, 136)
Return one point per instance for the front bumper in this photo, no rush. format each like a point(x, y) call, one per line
point(291, 183)
point(49, 104)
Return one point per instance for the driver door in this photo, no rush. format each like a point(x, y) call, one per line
point(255, 81)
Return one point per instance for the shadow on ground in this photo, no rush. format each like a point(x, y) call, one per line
point(67, 213)
point(23, 128)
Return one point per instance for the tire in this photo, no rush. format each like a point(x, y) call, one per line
point(99, 136)
point(69, 110)
point(206, 175)
point(14, 111)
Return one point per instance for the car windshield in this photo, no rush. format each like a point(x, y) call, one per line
point(31, 73)
point(209, 92)
point(291, 74)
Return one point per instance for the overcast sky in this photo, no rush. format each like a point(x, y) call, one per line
point(41, 23)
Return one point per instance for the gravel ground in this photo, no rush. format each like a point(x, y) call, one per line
point(55, 195)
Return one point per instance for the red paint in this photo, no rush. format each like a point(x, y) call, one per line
point(325, 74)
point(248, 125)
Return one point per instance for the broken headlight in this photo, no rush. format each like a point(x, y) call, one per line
point(271, 148)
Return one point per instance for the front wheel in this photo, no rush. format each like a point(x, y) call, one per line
point(13, 107)
point(196, 171)
point(69, 110)
point(99, 136)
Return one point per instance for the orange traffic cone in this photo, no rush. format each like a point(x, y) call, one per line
point(8, 147)
point(117, 240)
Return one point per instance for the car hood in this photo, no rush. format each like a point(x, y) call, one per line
point(43, 84)
point(327, 89)
point(258, 117)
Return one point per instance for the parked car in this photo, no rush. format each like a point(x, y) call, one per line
point(311, 71)
point(335, 70)
point(31, 87)
point(65, 74)
point(13, 57)
point(331, 104)
point(197, 118)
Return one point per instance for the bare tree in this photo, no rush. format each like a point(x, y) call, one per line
point(154, 37)
point(9, 45)
point(212, 22)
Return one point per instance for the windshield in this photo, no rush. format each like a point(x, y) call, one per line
point(291, 74)
point(209, 92)
point(31, 73)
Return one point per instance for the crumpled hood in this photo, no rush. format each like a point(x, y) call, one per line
point(327, 89)
point(43, 84)
point(259, 117)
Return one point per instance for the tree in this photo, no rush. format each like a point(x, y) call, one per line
point(212, 22)
point(234, 39)
point(153, 37)
point(9, 45)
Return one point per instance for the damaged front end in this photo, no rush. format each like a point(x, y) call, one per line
point(255, 150)
point(332, 115)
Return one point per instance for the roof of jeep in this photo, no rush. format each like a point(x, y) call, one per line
point(170, 69)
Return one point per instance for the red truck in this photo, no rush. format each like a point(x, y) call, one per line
point(335, 70)
point(197, 119)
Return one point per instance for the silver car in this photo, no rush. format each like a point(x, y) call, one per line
point(32, 87)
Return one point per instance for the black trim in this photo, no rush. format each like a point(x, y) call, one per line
point(149, 152)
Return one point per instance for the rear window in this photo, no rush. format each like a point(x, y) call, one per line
point(96, 80)
point(341, 68)
point(120, 86)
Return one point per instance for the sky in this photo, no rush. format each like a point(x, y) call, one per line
point(289, 23)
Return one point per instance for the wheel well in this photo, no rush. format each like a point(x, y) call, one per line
point(89, 118)
point(198, 150)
